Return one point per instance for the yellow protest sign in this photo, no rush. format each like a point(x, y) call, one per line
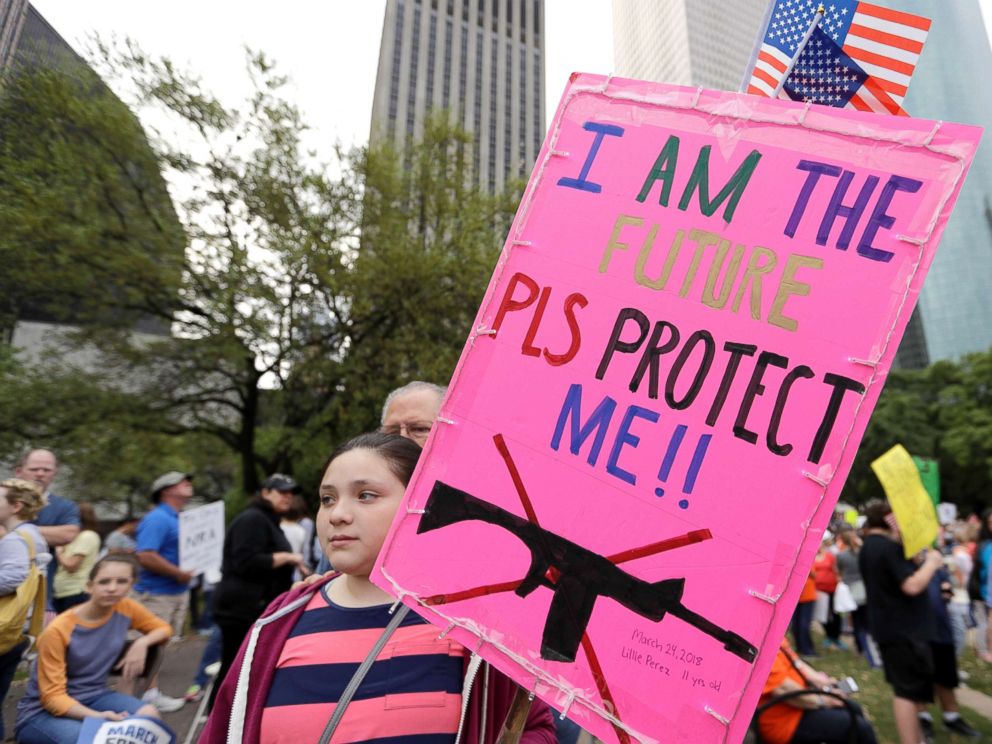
point(910, 501)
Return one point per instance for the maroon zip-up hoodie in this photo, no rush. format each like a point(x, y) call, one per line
point(540, 728)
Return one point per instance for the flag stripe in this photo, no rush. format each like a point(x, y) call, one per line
point(868, 45)
point(898, 42)
point(896, 78)
point(893, 89)
point(859, 104)
point(879, 24)
point(879, 59)
point(762, 78)
point(775, 57)
point(907, 19)
point(871, 86)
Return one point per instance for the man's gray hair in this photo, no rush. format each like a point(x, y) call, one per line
point(22, 459)
point(411, 387)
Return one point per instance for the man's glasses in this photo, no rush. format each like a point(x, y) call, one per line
point(415, 430)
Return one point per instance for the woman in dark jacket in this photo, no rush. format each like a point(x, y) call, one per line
point(257, 567)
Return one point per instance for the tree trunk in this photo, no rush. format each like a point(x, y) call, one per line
point(249, 420)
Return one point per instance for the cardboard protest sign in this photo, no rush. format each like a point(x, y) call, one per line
point(665, 386)
point(201, 538)
point(911, 504)
point(930, 476)
point(947, 512)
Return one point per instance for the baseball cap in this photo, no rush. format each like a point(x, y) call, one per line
point(280, 482)
point(172, 478)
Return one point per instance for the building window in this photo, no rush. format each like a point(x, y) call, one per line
point(477, 119)
point(431, 57)
point(522, 103)
point(394, 78)
point(446, 87)
point(508, 108)
point(411, 99)
point(493, 62)
point(463, 74)
point(538, 102)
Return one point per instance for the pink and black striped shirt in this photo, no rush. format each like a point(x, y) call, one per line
point(411, 695)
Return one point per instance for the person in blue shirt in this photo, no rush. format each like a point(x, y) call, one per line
point(163, 587)
point(58, 521)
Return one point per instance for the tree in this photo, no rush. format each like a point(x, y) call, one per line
point(943, 412)
point(83, 203)
point(306, 291)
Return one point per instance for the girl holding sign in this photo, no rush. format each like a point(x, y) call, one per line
point(77, 651)
point(290, 678)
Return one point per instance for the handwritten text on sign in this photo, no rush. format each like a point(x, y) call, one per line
point(201, 538)
point(663, 393)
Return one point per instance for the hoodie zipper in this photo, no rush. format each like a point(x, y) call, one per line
point(473, 669)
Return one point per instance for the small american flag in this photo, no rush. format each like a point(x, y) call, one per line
point(877, 46)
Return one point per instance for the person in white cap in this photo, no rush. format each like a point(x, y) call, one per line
point(163, 587)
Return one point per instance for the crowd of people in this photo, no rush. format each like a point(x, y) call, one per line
point(910, 616)
point(332, 621)
point(296, 624)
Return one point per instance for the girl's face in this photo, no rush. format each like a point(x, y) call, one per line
point(359, 496)
point(111, 584)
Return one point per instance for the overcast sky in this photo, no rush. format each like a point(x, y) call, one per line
point(328, 47)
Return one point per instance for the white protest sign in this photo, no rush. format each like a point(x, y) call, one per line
point(201, 538)
point(131, 730)
point(947, 512)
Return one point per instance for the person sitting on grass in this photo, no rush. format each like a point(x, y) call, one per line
point(806, 719)
point(77, 651)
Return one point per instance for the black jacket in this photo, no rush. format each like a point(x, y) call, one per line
point(249, 582)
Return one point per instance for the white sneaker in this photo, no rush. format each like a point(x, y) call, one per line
point(163, 703)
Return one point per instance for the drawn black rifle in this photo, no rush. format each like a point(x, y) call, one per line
point(577, 576)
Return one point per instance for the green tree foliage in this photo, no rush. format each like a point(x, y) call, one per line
point(943, 412)
point(306, 291)
point(83, 203)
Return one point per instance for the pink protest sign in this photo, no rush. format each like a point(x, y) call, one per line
point(667, 381)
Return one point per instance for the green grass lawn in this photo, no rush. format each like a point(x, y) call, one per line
point(875, 695)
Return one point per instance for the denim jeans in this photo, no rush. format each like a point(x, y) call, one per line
point(211, 653)
point(44, 728)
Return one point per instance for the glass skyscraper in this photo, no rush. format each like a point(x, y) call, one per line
point(951, 84)
point(483, 61)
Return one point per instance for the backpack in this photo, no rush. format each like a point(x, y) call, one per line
point(14, 607)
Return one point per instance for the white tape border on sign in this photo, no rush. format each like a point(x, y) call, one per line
point(672, 100)
point(573, 695)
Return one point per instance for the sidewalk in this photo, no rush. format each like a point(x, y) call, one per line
point(977, 701)
point(181, 661)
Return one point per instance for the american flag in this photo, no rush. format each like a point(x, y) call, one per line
point(877, 46)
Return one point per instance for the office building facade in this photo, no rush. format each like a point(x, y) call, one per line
point(480, 60)
point(685, 42)
point(948, 85)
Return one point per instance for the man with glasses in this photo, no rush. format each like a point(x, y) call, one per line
point(410, 410)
